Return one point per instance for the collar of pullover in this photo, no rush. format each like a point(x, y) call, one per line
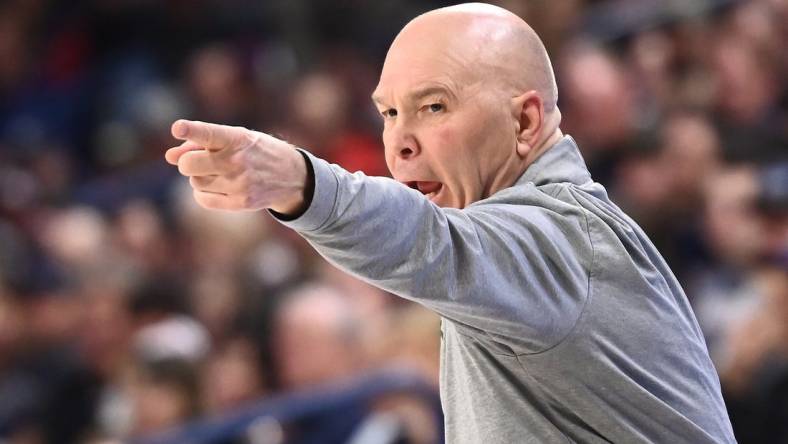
point(561, 162)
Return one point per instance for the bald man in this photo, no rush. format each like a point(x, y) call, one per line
point(561, 322)
point(315, 338)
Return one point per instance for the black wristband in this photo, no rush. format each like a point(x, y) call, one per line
point(309, 192)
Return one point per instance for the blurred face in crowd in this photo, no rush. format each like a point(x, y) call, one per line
point(231, 376)
point(690, 154)
point(463, 93)
point(315, 338)
point(600, 107)
point(745, 81)
point(732, 226)
point(163, 395)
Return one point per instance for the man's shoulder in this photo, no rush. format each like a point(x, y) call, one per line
point(537, 215)
point(559, 200)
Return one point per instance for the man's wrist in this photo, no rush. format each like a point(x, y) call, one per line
point(297, 207)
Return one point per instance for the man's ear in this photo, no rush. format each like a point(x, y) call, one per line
point(528, 110)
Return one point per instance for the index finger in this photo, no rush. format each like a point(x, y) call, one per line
point(209, 135)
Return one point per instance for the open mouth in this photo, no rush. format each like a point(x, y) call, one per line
point(427, 188)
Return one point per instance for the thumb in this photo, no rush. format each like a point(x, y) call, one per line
point(174, 154)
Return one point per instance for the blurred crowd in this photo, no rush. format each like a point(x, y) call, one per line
point(126, 310)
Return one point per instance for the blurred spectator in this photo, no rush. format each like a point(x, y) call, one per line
point(163, 328)
point(46, 391)
point(599, 110)
point(756, 377)
point(772, 205)
point(320, 107)
point(164, 393)
point(316, 337)
point(750, 73)
point(740, 303)
point(410, 338)
point(233, 376)
point(664, 186)
point(217, 85)
point(723, 293)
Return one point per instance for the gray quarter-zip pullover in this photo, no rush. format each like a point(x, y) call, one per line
point(561, 321)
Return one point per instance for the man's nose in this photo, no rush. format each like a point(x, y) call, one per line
point(402, 141)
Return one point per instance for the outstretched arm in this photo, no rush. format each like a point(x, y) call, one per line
point(502, 270)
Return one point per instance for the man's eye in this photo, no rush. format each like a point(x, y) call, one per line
point(436, 107)
point(389, 113)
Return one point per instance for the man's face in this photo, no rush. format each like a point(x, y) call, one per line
point(447, 127)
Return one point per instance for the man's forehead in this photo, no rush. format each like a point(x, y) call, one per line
point(450, 54)
point(422, 72)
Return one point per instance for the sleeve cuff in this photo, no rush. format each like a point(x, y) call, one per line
point(323, 197)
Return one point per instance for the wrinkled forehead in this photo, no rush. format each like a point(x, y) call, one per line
point(411, 64)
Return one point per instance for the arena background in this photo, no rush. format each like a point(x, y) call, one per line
point(129, 314)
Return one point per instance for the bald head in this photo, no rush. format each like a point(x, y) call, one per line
point(486, 43)
point(316, 336)
point(468, 99)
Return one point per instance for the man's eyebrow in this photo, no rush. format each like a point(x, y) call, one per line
point(429, 90)
point(419, 93)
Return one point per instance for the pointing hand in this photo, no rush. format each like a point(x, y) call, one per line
point(233, 168)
